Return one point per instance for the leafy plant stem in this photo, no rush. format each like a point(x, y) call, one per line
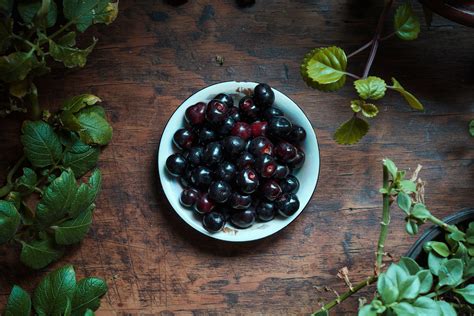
point(347, 294)
point(352, 75)
point(387, 36)
point(440, 223)
point(62, 29)
point(384, 223)
point(376, 39)
point(9, 185)
point(359, 50)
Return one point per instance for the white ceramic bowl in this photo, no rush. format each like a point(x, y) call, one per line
point(307, 175)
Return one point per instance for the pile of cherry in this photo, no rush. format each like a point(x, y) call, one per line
point(235, 162)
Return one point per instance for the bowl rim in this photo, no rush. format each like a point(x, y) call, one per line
point(210, 235)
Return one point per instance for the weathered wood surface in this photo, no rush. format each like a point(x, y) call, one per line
point(155, 55)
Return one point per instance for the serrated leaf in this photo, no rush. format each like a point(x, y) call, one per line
point(370, 88)
point(19, 303)
point(74, 230)
point(53, 292)
point(328, 65)
point(450, 273)
point(419, 211)
point(79, 102)
point(9, 221)
point(95, 129)
point(408, 186)
point(28, 11)
point(446, 309)
point(84, 13)
point(426, 280)
point(407, 25)
point(351, 131)
point(41, 144)
point(16, 66)
point(87, 295)
point(38, 254)
point(410, 98)
point(369, 109)
point(404, 202)
point(356, 105)
point(28, 179)
point(387, 289)
point(70, 56)
point(425, 306)
point(81, 158)
point(467, 293)
point(409, 265)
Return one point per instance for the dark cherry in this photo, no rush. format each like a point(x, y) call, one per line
point(186, 178)
point(226, 126)
point(216, 112)
point(226, 211)
point(225, 98)
point(213, 154)
point(248, 107)
point(240, 201)
point(285, 151)
point(195, 156)
point(265, 211)
point(184, 138)
point(189, 197)
point(270, 190)
point(243, 219)
point(233, 145)
point(279, 126)
point(247, 181)
point(176, 164)
point(263, 95)
point(245, 160)
point(213, 222)
point(290, 184)
point(265, 165)
point(195, 114)
point(297, 134)
point(220, 191)
point(242, 130)
point(204, 204)
point(259, 128)
point(234, 113)
point(225, 171)
point(270, 112)
point(287, 204)
point(281, 172)
point(207, 135)
point(298, 161)
point(201, 177)
point(260, 145)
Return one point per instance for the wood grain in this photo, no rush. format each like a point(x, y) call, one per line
point(155, 55)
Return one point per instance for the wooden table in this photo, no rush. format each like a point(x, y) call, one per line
point(155, 55)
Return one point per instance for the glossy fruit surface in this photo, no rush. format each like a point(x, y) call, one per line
point(213, 221)
point(243, 219)
point(233, 146)
point(245, 160)
point(271, 190)
point(265, 165)
point(297, 134)
point(184, 138)
point(195, 156)
point(225, 98)
point(204, 204)
point(270, 112)
point(259, 128)
point(248, 107)
point(298, 161)
point(263, 95)
point(216, 112)
point(260, 145)
point(220, 191)
point(285, 151)
point(265, 211)
point(213, 154)
point(279, 126)
point(242, 130)
point(247, 181)
point(287, 204)
point(240, 201)
point(225, 171)
point(207, 135)
point(290, 184)
point(176, 164)
point(195, 114)
point(281, 172)
point(189, 197)
point(201, 177)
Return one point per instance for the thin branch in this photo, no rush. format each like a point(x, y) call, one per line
point(384, 223)
point(361, 49)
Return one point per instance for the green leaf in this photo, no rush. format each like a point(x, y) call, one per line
point(91, 313)
point(435, 262)
point(426, 280)
point(38, 254)
point(95, 109)
point(19, 88)
point(410, 98)
point(6, 6)
point(392, 169)
point(28, 11)
point(408, 186)
point(370, 88)
point(67, 310)
point(450, 273)
point(425, 306)
point(79, 102)
point(457, 236)
point(404, 309)
point(419, 211)
point(404, 202)
point(313, 83)
point(9, 221)
point(81, 158)
point(70, 56)
point(74, 230)
point(28, 179)
point(469, 269)
point(69, 121)
point(16, 66)
point(356, 105)
point(15, 198)
point(471, 128)
point(68, 39)
point(411, 227)
point(87, 295)
point(439, 247)
point(407, 25)
point(84, 13)
point(351, 131)
point(367, 109)
point(328, 65)
point(409, 265)
point(446, 309)
point(409, 287)
point(95, 129)
point(367, 310)
point(387, 289)
point(53, 292)
point(467, 293)
point(41, 144)
point(19, 303)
